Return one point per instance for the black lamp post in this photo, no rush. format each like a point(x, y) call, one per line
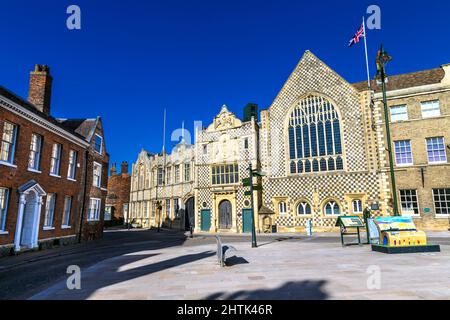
point(382, 59)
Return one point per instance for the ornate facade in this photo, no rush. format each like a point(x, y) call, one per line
point(223, 153)
point(322, 148)
point(162, 188)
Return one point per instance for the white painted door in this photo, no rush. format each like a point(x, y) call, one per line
point(28, 220)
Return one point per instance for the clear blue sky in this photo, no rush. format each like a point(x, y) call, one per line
point(133, 58)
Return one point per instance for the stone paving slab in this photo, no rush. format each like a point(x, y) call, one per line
point(275, 270)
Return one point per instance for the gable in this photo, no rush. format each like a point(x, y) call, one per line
point(313, 77)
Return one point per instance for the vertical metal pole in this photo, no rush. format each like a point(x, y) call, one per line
point(388, 137)
point(250, 171)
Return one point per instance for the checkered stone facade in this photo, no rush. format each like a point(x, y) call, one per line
point(359, 179)
point(227, 140)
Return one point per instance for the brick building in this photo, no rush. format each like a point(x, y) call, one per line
point(118, 197)
point(44, 171)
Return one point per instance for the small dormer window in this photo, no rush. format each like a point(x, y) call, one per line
point(98, 143)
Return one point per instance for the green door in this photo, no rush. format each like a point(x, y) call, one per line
point(246, 220)
point(206, 220)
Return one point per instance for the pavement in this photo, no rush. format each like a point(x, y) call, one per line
point(282, 267)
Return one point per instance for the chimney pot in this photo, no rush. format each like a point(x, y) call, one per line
point(124, 167)
point(40, 88)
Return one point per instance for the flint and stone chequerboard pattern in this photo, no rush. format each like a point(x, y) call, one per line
point(313, 77)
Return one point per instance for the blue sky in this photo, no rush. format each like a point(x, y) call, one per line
point(133, 58)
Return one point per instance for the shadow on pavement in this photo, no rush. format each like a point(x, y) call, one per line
point(112, 277)
point(299, 290)
point(233, 261)
point(25, 275)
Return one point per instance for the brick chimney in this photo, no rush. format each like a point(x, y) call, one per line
point(113, 170)
point(40, 89)
point(124, 167)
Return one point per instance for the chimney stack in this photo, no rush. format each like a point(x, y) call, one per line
point(124, 168)
point(40, 89)
point(113, 170)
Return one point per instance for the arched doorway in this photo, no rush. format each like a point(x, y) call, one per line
point(225, 215)
point(189, 214)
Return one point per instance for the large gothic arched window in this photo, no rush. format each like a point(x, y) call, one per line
point(315, 137)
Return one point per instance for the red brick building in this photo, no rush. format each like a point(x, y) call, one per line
point(47, 181)
point(118, 198)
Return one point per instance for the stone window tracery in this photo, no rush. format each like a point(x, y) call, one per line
point(314, 135)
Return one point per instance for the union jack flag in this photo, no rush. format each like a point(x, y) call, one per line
point(359, 34)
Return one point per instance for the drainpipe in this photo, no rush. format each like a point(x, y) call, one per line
point(83, 204)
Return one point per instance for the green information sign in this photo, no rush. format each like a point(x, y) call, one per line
point(349, 222)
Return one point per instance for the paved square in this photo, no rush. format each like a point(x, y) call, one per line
point(290, 269)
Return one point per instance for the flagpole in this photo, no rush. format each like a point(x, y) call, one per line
point(367, 57)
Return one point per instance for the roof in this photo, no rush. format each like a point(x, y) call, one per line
point(265, 210)
point(30, 107)
point(83, 127)
point(407, 80)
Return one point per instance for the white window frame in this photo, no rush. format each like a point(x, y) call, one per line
point(303, 204)
point(444, 148)
point(403, 153)
point(359, 206)
point(282, 208)
point(35, 155)
point(94, 182)
point(67, 212)
point(72, 166)
point(4, 202)
point(440, 215)
point(177, 173)
point(395, 117)
point(95, 205)
point(333, 204)
point(101, 143)
point(50, 203)
point(11, 144)
point(401, 197)
point(187, 172)
point(168, 208)
point(430, 109)
point(55, 162)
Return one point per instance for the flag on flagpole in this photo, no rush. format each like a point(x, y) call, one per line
point(359, 34)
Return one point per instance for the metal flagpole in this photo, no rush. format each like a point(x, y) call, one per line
point(367, 58)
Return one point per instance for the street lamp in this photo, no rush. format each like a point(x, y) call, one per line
point(382, 59)
point(253, 173)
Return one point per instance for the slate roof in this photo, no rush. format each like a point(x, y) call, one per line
point(407, 80)
point(81, 128)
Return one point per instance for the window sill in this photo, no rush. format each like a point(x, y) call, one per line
point(103, 189)
point(70, 179)
point(442, 216)
point(437, 163)
point(4, 233)
point(34, 170)
point(4, 163)
point(66, 227)
point(54, 175)
point(91, 220)
point(48, 228)
point(303, 216)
